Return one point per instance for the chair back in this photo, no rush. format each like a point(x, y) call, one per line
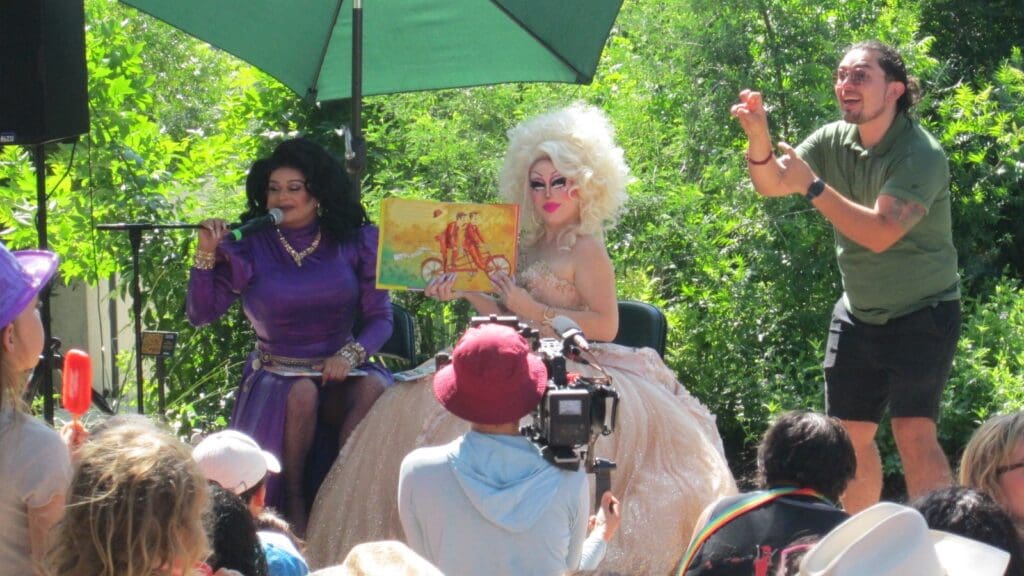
point(402, 343)
point(642, 325)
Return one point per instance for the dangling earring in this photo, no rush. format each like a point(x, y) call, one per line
point(319, 209)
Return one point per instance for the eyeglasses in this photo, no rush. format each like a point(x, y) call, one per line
point(1009, 468)
point(857, 76)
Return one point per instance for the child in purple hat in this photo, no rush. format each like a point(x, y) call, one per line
point(34, 461)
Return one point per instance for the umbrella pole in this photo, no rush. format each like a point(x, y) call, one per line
point(355, 160)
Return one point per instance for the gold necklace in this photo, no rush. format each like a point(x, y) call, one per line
point(298, 256)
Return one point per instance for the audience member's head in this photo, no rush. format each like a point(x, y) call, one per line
point(134, 422)
point(237, 463)
point(232, 532)
point(993, 463)
point(808, 450)
point(135, 507)
point(269, 521)
point(892, 540)
point(23, 274)
point(974, 515)
point(382, 558)
point(493, 378)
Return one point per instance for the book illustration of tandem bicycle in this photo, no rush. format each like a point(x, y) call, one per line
point(421, 240)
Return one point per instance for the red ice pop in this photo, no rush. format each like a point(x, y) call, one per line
point(76, 392)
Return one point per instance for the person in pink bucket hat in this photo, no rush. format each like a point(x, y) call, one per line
point(488, 503)
point(34, 461)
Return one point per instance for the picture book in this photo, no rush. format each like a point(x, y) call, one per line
point(421, 240)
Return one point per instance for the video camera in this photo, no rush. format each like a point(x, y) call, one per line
point(575, 409)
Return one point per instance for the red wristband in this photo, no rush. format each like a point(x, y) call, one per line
point(753, 162)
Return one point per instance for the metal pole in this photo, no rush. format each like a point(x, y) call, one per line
point(356, 168)
point(135, 235)
point(161, 375)
point(39, 159)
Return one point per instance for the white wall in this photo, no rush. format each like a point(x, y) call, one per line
point(82, 318)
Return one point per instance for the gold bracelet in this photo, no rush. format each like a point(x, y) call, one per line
point(548, 314)
point(205, 260)
point(359, 352)
point(353, 353)
point(346, 355)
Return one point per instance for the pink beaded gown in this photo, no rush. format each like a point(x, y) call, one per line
point(667, 448)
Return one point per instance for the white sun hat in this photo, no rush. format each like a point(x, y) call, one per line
point(892, 540)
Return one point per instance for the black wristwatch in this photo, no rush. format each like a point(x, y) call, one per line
point(815, 189)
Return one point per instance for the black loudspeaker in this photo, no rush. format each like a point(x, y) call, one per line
point(43, 94)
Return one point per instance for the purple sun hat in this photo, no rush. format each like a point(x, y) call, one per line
point(22, 275)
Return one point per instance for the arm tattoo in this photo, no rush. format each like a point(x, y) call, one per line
point(907, 213)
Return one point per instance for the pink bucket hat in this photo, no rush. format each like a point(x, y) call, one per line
point(493, 377)
point(22, 275)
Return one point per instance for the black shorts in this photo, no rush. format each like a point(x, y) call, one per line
point(903, 364)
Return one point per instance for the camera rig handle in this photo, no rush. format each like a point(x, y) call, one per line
point(602, 470)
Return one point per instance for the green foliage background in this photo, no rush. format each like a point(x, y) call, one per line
point(747, 283)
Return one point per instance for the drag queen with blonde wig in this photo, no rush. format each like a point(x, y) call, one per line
point(569, 177)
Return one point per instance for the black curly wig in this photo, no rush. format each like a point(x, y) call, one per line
point(341, 213)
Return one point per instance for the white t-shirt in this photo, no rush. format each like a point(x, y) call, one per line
point(34, 468)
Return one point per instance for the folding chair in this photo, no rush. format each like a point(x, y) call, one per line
point(402, 343)
point(641, 325)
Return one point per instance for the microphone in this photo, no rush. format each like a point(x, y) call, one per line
point(569, 330)
point(272, 217)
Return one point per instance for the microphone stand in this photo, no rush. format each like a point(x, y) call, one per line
point(135, 230)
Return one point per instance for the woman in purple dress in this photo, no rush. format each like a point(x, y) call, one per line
point(303, 284)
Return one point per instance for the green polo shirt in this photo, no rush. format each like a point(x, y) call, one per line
point(920, 269)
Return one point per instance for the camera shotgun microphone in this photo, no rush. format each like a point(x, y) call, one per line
point(272, 217)
point(569, 330)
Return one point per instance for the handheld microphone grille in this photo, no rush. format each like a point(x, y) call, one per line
point(570, 330)
point(273, 217)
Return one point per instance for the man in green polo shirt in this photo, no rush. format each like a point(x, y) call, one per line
point(883, 183)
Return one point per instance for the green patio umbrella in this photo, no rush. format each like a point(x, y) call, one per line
point(335, 49)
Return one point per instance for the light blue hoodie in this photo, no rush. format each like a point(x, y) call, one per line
point(490, 504)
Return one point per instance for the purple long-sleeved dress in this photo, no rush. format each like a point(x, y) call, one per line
point(303, 311)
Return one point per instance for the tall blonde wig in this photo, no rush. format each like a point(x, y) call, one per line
point(580, 142)
point(991, 447)
point(134, 508)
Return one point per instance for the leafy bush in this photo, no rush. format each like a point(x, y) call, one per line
point(747, 283)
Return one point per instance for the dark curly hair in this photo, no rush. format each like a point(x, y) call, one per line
point(891, 62)
point(974, 515)
point(232, 532)
point(808, 450)
point(341, 213)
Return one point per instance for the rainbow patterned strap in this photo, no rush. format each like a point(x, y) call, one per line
point(738, 509)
